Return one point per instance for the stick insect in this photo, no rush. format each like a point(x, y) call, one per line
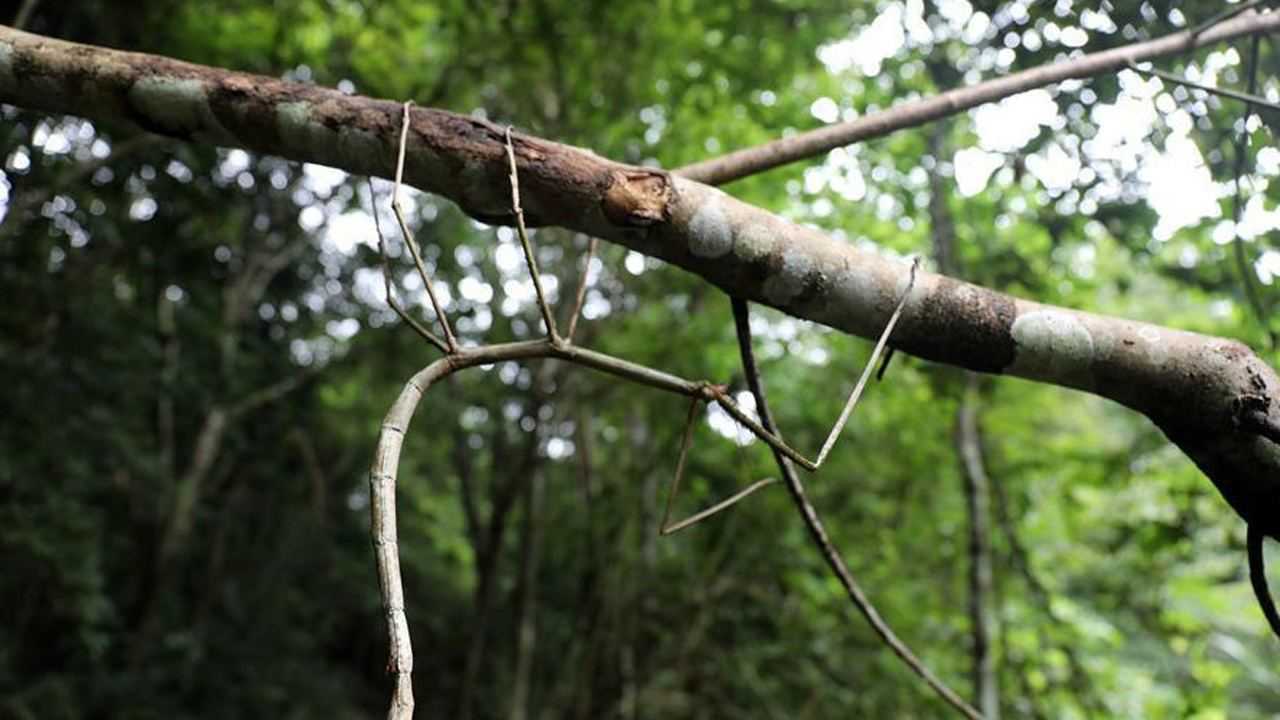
point(562, 346)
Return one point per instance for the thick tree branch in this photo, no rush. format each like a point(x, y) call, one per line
point(1196, 388)
point(750, 161)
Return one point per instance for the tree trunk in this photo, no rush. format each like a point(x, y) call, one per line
point(527, 634)
point(986, 688)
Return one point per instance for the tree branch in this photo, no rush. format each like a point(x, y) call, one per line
point(750, 161)
point(1193, 386)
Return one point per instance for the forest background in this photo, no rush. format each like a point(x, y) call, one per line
point(197, 355)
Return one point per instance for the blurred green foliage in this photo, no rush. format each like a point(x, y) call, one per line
point(156, 564)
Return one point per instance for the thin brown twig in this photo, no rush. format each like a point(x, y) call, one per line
point(818, 531)
point(24, 13)
point(581, 298)
point(1244, 265)
point(871, 363)
point(1225, 15)
point(667, 528)
point(725, 504)
point(1211, 89)
point(774, 441)
point(685, 440)
point(752, 160)
point(382, 476)
point(968, 445)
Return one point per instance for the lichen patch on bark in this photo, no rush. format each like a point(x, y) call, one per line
point(177, 106)
point(1053, 345)
point(6, 64)
point(788, 281)
point(710, 234)
point(755, 241)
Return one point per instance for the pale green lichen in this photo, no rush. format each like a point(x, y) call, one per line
point(177, 104)
point(755, 241)
point(710, 235)
point(1053, 345)
point(854, 294)
point(783, 286)
point(1156, 350)
point(7, 77)
point(298, 130)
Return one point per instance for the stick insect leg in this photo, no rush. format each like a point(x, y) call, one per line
point(450, 341)
point(668, 527)
point(547, 317)
point(386, 281)
point(737, 413)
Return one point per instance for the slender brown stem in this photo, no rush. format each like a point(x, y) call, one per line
point(866, 371)
point(1211, 89)
point(382, 476)
point(1225, 15)
point(581, 298)
point(1258, 577)
point(24, 13)
point(749, 161)
point(666, 527)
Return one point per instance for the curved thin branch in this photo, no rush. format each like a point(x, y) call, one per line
point(1258, 578)
point(24, 13)
point(1226, 15)
point(1243, 262)
point(1244, 97)
point(750, 161)
point(581, 298)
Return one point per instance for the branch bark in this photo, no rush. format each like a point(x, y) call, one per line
point(1207, 394)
